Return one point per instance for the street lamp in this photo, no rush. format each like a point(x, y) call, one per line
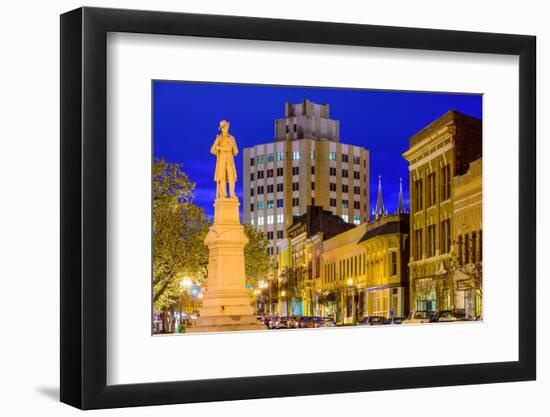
point(186, 282)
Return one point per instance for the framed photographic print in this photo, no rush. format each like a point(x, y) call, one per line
point(257, 208)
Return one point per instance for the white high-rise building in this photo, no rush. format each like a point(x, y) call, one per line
point(306, 165)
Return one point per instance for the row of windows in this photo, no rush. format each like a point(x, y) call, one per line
point(296, 187)
point(431, 188)
point(345, 268)
point(270, 173)
point(345, 158)
point(270, 235)
point(261, 205)
point(444, 236)
point(345, 174)
point(280, 156)
point(356, 219)
point(358, 265)
point(470, 248)
point(268, 220)
point(270, 187)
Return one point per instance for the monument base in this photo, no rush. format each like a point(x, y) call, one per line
point(226, 305)
point(225, 324)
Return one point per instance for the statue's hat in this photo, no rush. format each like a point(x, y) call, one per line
point(222, 124)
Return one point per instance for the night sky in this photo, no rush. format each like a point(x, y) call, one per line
point(186, 117)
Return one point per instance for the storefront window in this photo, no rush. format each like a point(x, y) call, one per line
point(425, 295)
point(380, 303)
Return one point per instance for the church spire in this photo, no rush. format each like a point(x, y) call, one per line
point(401, 203)
point(379, 210)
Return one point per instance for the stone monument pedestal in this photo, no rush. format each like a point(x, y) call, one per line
point(226, 304)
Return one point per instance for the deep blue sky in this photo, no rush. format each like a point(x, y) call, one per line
point(186, 117)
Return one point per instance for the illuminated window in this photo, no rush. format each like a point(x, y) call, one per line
point(356, 220)
point(261, 205)
point(345, 217)
point(252, 222)
point(260, 221)
point(270, 219)
point(280, 218)
point(332, 156)
point(270, 204)
point(295, 155)
point(280, 156)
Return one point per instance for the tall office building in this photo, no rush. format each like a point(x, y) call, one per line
point(306, 165)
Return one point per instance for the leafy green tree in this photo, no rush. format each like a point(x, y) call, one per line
point(257, 263)
point(179, 228)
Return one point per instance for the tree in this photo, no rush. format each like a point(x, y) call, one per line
point(293, 283)
point(179, 228)
point(256, 259)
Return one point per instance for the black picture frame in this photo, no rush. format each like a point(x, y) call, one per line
point(84, 207)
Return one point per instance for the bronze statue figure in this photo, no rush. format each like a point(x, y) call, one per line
point(225, 148)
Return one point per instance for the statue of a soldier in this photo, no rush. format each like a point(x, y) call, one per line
point(225, 148)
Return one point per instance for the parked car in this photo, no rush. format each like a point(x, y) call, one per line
point(419, 316)
point(285, 323)
point(328, 322)
point(372, 321)
point(395, 320)
point(273, 322)
point(309, 322)
point(449, 316)
point(294, 322)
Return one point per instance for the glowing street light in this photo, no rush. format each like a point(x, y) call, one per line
point(186, 282)
point(350, 282)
